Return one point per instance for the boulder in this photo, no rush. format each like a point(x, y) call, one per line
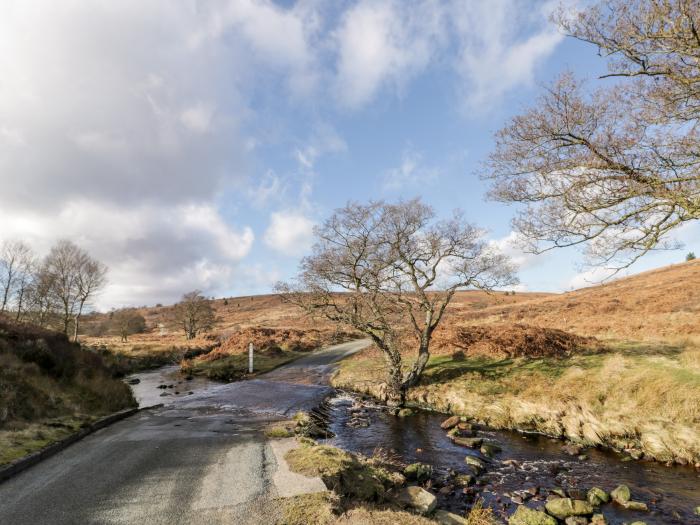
point(450, 422)
point(405, 412)
point(448, 518)
point(490, 449)
point(635, 505)
point(418, 472)
point(526, 516)
point(562, 508)
point(464, 480)
point(597, 496)
point(696, 510)
point(576, 520)
point(417, 498)
point(598, 519)
point(621, 494)
point(475, 462)
point(467, 441)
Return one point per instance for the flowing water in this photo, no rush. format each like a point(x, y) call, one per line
point(538, 462)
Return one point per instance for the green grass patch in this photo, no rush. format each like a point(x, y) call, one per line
point(235, 367)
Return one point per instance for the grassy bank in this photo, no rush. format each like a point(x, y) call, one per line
point(49, 388)
point(640, 396)
point(360, 491)
point(235, 367)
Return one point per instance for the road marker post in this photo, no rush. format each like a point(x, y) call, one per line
point(250, 358)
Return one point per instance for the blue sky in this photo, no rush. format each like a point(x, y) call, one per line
point(195, 144)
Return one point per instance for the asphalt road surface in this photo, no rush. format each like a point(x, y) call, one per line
point(201, 459)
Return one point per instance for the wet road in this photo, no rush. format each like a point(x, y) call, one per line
point(201, 458)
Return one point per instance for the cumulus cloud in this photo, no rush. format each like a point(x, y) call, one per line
point(501, 42)
point(512, 245)
point(384, 43)
point(289, 233)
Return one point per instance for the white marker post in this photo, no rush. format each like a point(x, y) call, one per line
point(250, 358)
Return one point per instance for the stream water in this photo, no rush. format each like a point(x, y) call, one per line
point(538, 462)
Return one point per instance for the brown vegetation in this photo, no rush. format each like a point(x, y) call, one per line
point(49, 387)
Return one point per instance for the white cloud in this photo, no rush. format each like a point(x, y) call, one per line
point(198, 117)
point(383, 43)
point(155, 253)
point(501, 42)
point(513, 245)
point(290, 233)
point(411, 172)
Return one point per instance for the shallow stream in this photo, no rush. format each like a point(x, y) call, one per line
point(538, 462)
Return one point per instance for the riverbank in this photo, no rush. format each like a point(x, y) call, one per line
point(50, 388)
point(642, 399)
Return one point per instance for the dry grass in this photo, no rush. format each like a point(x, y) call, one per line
point(480, 515)
point(49, 388)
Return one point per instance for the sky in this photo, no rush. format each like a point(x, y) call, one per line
point(195, 144)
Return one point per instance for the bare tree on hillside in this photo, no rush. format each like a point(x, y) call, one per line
point(126, 322)
point(399, 269)
point(16, 266)
point(194, 314)
point(618, 168)
point(74, 279)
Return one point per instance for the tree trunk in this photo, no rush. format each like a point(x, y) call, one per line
point(75, 328)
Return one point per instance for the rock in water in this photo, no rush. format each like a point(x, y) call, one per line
point(448, 518)
point(467, 441)
point(621, 494)
point(405, 412)
point(526, 516)
point(490, 449)
point(636, 505)
point(418, 499)
point(598, 519)
point(597, 496)
point(562, 508)
point(450, 422)
point(475, 462)
point(134, 381)
point(576, 520)
point(418, 472)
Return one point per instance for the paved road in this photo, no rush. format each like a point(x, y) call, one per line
point(200, 459)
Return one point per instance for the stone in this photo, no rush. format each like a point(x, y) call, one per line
point(635, 505)
point(475, 462)
point(597, 496)
point(417, 498)
point(562, 508)
point(489, 449)
point(527, 516)
point(464, 480)
point(638, 523)
point(696, 510)
point(450, 422)
point(418, 472)
point(558, 492)
point(621, 494)
point(467, 441)
point(636, 454)
point(571, 449)
point(134, 381)
point(576, 520)
point(448, 518)
point(405, 412)
point(598, 519)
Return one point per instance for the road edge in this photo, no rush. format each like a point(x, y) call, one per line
point(15, 467)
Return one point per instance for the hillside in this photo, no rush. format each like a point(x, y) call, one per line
point(654, 305)
point(49, 388)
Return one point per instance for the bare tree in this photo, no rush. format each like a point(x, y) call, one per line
point(616, 168)
point(399, 269)
point(74, 279)
point(194, 314)
point(41, 302)
point(16, 265)
point(126, 322)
